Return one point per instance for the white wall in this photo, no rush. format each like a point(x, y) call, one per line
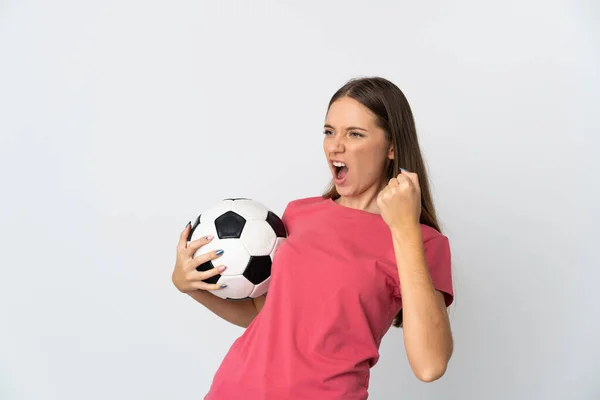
point(122, 120)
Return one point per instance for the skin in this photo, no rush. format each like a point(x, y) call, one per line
point(353, 137)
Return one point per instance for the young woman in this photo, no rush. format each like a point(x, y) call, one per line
point(365, 255)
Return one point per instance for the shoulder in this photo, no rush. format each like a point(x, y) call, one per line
point(429, 233)
point(303, 203)
point(298, 209)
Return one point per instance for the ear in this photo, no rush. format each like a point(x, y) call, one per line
point(391, 152)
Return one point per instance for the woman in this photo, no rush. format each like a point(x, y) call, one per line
point(335, 285)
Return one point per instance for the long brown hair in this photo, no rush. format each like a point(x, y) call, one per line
point(395, 117)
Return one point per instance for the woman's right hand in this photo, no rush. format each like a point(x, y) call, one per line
point(185, 276)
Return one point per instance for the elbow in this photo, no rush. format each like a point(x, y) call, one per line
point(432, 366)
point(431, 373)
point(432, 369)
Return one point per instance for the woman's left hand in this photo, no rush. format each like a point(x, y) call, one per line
point(400, 201)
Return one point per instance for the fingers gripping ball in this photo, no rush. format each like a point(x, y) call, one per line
point(249, 235)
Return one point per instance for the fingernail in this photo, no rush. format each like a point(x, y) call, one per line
point(219, 252)
point(209, 237)
point(223, 286)
point(222, 268)
point(188, 224)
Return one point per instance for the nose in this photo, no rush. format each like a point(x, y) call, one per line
point(335, 144)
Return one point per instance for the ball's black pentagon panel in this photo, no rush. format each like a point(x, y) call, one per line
point(205, 267)
point(277, 224)
point(258, 269)
point(234, 299)
point(194, 226)
point(207, 220)
point(230, 225)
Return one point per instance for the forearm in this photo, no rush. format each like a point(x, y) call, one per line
point(427, 333)
point(240, 313)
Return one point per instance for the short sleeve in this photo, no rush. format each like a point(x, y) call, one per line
point(439, 261)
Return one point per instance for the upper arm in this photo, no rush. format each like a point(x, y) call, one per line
point(259, 302)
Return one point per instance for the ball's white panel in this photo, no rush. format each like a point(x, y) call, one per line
point(258, 237)
point(208, 217)
point(278, 243)
point(261, 288)
point(238, 287)
point(250, 209)
point(235, 256)
point(204, 230)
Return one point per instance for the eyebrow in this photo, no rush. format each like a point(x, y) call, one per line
point(350, 128)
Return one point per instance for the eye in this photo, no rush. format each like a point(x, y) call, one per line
point(326, 132)
point(356, 134)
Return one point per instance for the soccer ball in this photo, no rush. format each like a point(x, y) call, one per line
point(249, 235)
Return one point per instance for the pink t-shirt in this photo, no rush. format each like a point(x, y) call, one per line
point(333, 294)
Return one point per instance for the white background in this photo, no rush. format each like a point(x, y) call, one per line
point(122, 120)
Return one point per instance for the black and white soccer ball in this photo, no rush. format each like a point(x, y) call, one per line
point(249, 234)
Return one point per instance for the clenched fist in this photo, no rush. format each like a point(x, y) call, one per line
point(400, 201)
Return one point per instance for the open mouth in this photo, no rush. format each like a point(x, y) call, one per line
point(340, 169)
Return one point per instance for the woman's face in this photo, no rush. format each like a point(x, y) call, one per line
point(355, 147)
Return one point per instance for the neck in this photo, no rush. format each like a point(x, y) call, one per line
point(366, 201)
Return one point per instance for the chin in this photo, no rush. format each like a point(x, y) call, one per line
point(343, 191)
